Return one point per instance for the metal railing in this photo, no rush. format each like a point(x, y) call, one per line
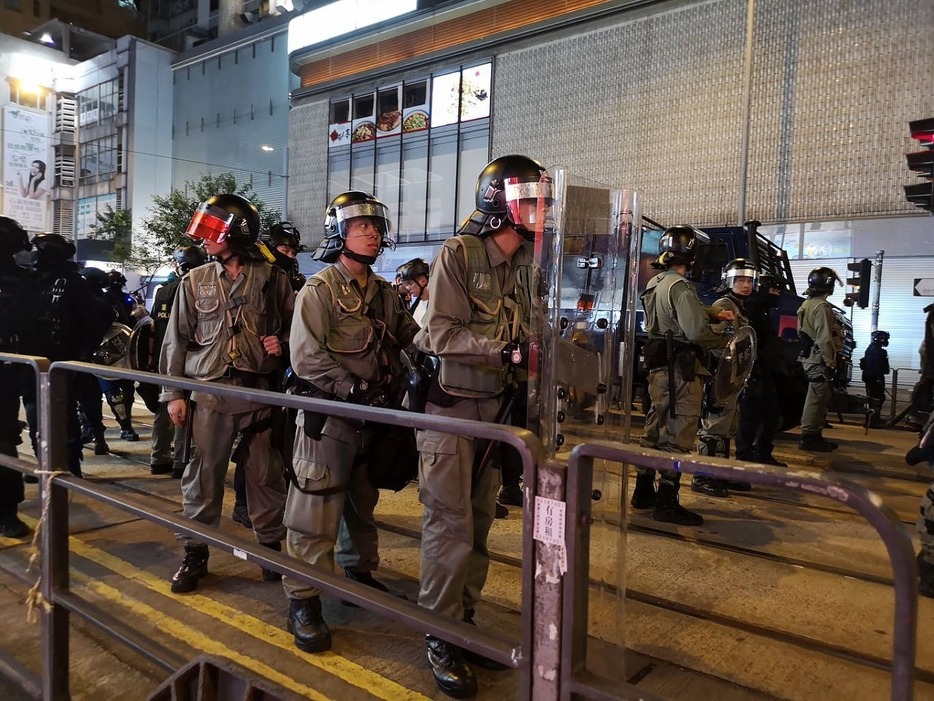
point(574, 617)
point(893, 413)
point(54, 540)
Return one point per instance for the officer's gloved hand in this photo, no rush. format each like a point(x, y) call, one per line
point(516, 354)
point(369, 393)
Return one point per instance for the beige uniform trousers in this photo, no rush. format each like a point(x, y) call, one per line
point(214, 434)
point(457, 514)
point(316, 522)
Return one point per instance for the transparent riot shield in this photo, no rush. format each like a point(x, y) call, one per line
point(583, 319)
point(580, 379)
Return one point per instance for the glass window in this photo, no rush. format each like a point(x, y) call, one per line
point(338, 172)
point(411, 216)
point(89, 160)
point(442, 184)
point(474, 155)
point(417, 146)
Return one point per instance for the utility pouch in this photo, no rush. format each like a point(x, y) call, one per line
point(805, 345)
point(655, 353)
point(314, 420)
point(686, 361)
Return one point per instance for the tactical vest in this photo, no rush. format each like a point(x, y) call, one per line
point(806, 313)
point(660, 319)
point(227, 332)
point(16, 310)
point(493, 315)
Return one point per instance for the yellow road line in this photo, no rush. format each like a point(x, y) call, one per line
point(189, 635)
point(335, 665)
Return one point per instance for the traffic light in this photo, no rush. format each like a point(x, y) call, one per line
point(922, 163)
point(860, 296)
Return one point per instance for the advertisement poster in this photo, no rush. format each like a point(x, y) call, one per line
point(27, 167)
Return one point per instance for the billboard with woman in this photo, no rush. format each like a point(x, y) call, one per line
point(26, 167)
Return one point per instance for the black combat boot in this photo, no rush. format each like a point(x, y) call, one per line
point(178, 470)
point(501, 511)
point(241, 514)
point(475, 658)
point(709, 486)
point(194, 567)
point(452, 675)
point(926, 572)
point(100, 443)
point(160, 468)
point(12, 527)
point(272, 575)
point(817, 443)
point(307, 625)
point(510, 495)
point(643, 496)
point(771, 460)
point(668, 509)
point(371, 581)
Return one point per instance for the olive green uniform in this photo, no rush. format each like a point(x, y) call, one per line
point(671, 304)
point(479, 302)
point(817, 320)
point(720, 423)
point(340, 334)
point(215, 333)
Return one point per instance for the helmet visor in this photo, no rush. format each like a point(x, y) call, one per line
point(376, 211)
point(528, 202)
point(210, 223)
point(731, 275)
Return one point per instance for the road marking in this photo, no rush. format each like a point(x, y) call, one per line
point(189, 635)
point(350, 672)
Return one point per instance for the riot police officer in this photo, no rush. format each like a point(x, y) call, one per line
point(17, 292)
point(285, 243)
point(821, 339)
point(758, 403)
point(166, 438)
point(347, 333)
point(680, 335)
point(70, 324)
point(120, 393)
point(230, 325)
point(875, 366)
point(412, 280)
point(476, 324)
point(720, 420)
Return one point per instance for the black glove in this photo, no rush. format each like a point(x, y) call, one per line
point(516, 354)
point(369, 393)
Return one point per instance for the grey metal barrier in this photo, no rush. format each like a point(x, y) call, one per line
point(893, 414)
point(55, 544)
point(576, 680)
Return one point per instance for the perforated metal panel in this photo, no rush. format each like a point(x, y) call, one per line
point(655, 104)
point(308, 166)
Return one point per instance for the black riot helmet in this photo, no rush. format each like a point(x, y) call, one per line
point(412, 270)
point(96, 277)
point(225, 217)
point(821, 281)
point(188, 257)
point(346, 206)
point(13, 237)
point(53, 249)
point(677, 246)
point(117, 279)
point(739, 267)
point(503, 189)
point(284, 234)
point(880, 337)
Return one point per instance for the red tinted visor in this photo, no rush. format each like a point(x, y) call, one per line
point(210, 223)
point(527, 201)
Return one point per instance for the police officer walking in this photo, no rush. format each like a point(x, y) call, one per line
point(229, 324)
point(680, 335)
point(477, 325)
point(166, 437)
point(346, 337)
point(17, 294)
point(822, 341)
point(875, 366)
point(720, 421)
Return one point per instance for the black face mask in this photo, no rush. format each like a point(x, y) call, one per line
point(49, 259)
point(768, 300)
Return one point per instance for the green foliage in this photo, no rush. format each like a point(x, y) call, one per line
point(117, 226)
point(171, 213)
